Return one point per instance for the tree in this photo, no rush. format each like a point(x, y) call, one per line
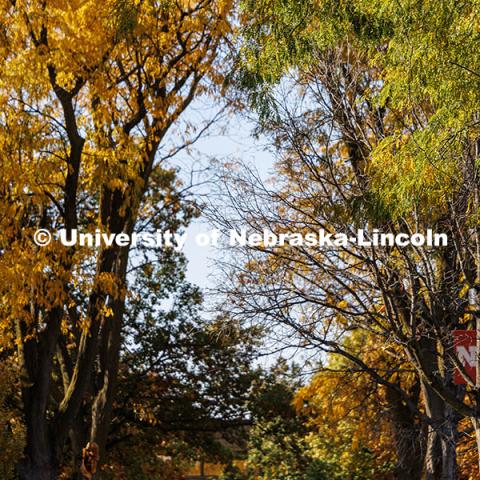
point(358, 426)
point(369, 139)
point(277, 443)
point(319, 294)
point(88, 94)
point(186, 383)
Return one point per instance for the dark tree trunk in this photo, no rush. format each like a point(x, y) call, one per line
point(36, 361)
point(38, 462)
point(79, 438)
point(103, 403)
point(449, 444)
point(476, 426)
point(408, 436)
point(36, 472)
point(440, 457)
point(111, 340)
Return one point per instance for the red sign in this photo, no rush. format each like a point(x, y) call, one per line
point(465, 344)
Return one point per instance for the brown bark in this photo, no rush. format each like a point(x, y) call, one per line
point(440, 455)
point(110, 357)
point(36, 360)
point(408, 436)
point(476, 426)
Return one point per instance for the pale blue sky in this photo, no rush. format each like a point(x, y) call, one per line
point(230, 139)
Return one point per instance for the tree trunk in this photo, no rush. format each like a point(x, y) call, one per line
point(449, 437)
point(103, 403)
point(433, 455)
point(79, 438)
point(435, 410)
point(111, 341)
point(440, 456)
point(38, 462)
point(476, 426)
point(408, 438)
point(36, 361)
point(36, 472)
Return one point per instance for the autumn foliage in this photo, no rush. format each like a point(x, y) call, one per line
point(112, 366)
